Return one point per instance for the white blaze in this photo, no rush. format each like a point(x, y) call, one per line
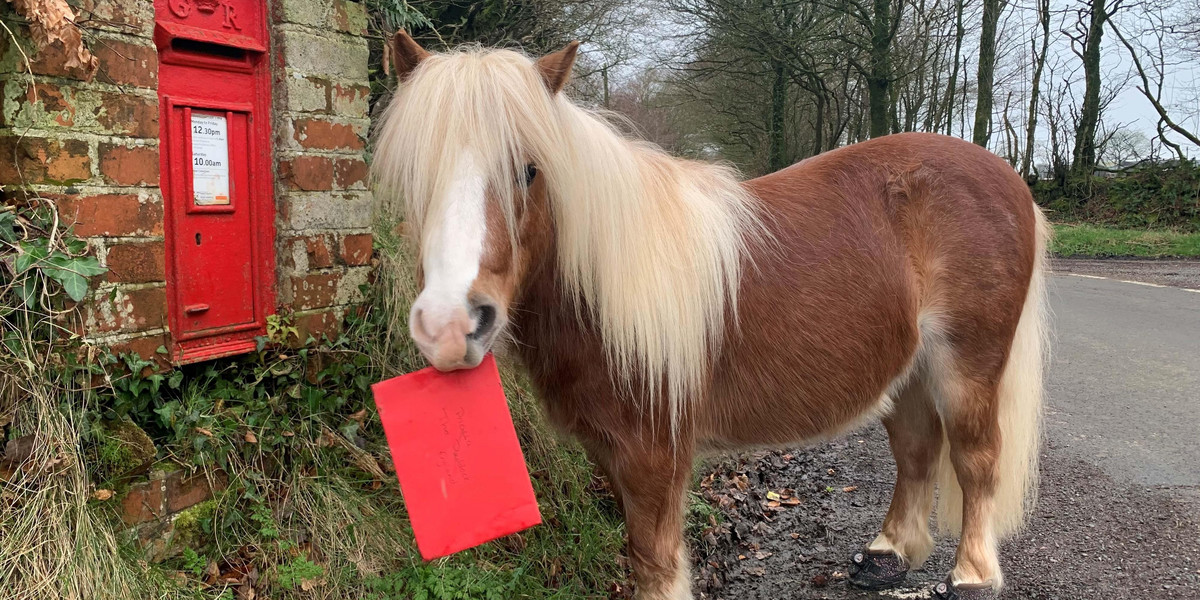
point(453, 248)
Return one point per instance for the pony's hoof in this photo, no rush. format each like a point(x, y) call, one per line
point(877, 570)
point(964, 591)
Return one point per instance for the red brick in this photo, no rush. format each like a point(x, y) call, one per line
point(308, 173)
point(357, 249)
point(123, 63)
point(111, 215)
point(57, 101)
point(127, 114)
point(317, 248)
point(135, 165)
point(325, 135)
point(314, 290)
point(128, 310)
point(41, 160)
point(319, 325)
point(52, 59)
point(350, 172)
point(350, 99)
point(136, 263)
point(184, 491)
point(147, 348)
point(341, 21)
point(122, 16)
point(143, 502)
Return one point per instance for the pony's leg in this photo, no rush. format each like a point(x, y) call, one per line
point(652, 481)
point(973, 429)
point(915, 433)
point(602, 455)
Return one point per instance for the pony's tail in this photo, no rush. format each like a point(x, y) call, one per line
point(1020, 413)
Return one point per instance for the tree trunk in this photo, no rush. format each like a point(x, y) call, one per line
point(777, 153)
point(1031, 126)
point(959, 33)
point(986, 72)
point(878, 82)
point(1084, 156)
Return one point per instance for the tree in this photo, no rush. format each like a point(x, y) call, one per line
point(1151, 66)
point(1035, 88)
point(1087, 37)
point(986, 73)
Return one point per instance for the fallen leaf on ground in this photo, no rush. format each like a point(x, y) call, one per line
point(204, 432)
point(849, 488)
point(102, 495)
point(250, 437)
point(772, 495)
point(761, 554)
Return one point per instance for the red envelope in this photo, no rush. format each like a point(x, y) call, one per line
point(460, 466)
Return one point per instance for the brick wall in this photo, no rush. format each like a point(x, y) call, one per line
point(320, 96)
point(92, 147)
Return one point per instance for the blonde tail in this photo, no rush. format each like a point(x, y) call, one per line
point(1020, 407)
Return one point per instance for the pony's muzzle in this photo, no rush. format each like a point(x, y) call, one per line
point(454, 338)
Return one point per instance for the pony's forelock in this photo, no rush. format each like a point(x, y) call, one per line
point(651, 246)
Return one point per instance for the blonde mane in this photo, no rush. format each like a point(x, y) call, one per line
point(652, 245)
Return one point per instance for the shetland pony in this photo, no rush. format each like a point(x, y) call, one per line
point(664, 309)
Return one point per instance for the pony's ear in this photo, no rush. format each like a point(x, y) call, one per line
point(556, 68)
point(406, 54)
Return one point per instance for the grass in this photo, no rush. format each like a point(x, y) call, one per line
point(1100, 242)
point(316, 516)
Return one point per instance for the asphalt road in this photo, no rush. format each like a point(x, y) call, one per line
point(1119, 510)
point(1124, 386)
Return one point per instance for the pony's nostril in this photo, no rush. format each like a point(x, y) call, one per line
point(486, 319)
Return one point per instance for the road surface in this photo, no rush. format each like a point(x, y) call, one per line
point(1119, 513)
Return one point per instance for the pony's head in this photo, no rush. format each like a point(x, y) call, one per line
point(498, 174)
point(461, 146)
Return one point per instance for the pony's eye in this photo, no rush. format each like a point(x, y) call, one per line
point(530, 173)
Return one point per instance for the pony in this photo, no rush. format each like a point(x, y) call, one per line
point(665, 309)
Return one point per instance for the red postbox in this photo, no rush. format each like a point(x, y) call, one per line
point(215, 155)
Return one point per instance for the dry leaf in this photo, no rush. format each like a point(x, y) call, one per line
point(204, 432)
point(250, 437)
point(359, 416)
point(51, 22)
point(791, 501)
point(761, 554)
point(287, 434)
point(773, 496)
point(102, 495)
point(849, 488)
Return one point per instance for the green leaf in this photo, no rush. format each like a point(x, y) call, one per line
point(74, 285)
point(29, 292)
point(7, 233)
point(31, 253)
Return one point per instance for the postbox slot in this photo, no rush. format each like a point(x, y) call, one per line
point(208, 49)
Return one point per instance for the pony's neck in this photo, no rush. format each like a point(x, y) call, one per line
point(652, 245)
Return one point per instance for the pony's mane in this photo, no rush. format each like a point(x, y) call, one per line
point(651, 245)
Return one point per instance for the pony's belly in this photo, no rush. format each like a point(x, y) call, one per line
point(786, 422)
